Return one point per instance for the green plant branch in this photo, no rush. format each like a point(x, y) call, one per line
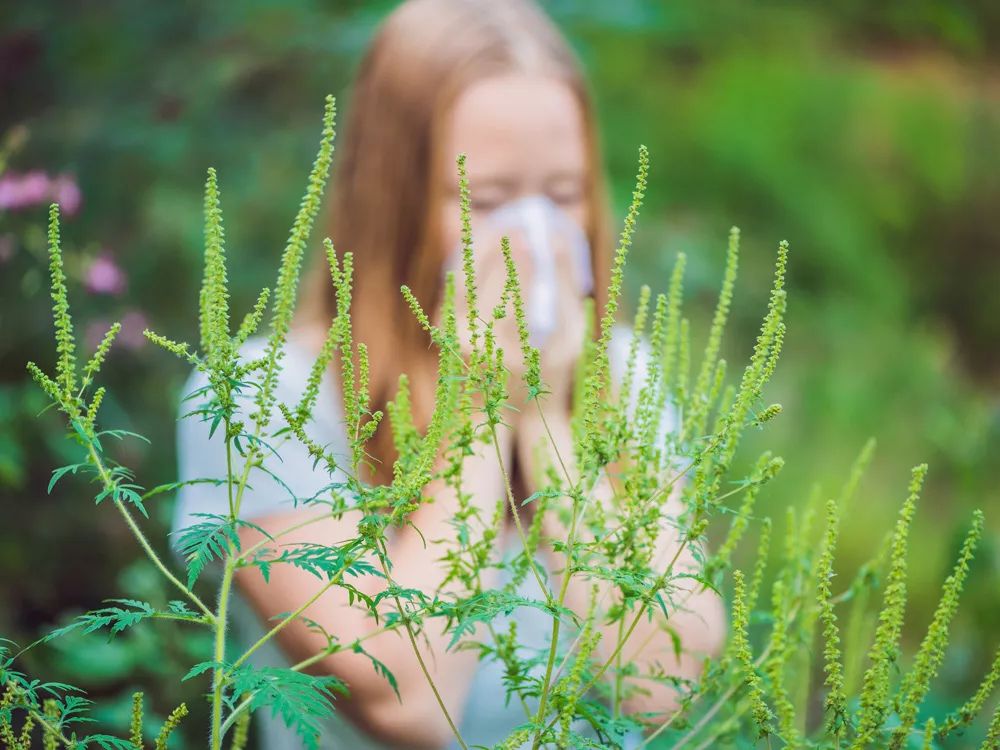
point(420, 659)
point(140, 537)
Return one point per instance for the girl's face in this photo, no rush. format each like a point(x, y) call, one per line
point(524, 138)
point(523, 135)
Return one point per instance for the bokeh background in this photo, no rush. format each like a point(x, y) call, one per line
point(867, 134)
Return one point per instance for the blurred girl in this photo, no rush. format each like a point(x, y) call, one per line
point(496, 81)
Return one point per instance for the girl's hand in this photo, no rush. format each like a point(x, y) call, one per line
point(561, 351)
point(490, 281)
point(559, 338)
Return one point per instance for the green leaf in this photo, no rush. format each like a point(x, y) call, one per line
point(108, 742)
point(301, 700)
point(207, 541)
point(62, 471)
point(200, 668)
point(117, 619)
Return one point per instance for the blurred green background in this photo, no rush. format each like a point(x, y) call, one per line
point(867, 134)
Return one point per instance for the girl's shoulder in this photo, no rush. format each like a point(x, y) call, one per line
point(293, 375)
point(201, 452)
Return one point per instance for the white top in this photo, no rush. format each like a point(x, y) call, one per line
point(486, 719)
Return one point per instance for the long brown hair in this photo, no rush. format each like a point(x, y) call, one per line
point(386, 180)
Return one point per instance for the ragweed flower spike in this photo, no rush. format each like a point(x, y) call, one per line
point(646, 416)
point(702, 384)
point(671, 341)
point(65, 341)
point(286, 287)
point(875, 688)
point(93, 365)
point(172, 722)
point(468, 260)
point(512, 290)
point(760, 711)
point(598, 371)
point(782, 603)
point(241, 732)
point(916, 684)
point(638, 328)
point(763, 551)
point(252, 320)
point(992, 740)
point(928, 735)
point(50, 735)
point(214, 296)
point(135, 726)
point(836, 698)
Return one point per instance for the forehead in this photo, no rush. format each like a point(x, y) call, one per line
point(516, 124)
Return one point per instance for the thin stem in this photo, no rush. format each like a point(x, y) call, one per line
point(556, 621)
point(420, 659)
point(563, 588)
point(229, 473)
point(293, 616)
point(298, 667)
point(288, 530)
point(44, 722)
point(219, 673)
point(234, 715)
point(555, 446)
point(617, 692)
point(658, 584)
point(517, 517)
point(141, 537)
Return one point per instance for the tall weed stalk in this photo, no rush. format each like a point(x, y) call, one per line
point(762, 690)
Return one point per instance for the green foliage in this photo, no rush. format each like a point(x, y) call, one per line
point(673, 490)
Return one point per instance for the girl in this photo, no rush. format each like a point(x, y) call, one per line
point(496, 81)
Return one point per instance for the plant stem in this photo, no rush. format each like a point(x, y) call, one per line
point(43, 721)
point(141, 537)
point(563, 588)
point(219, 673)
point(618, 686)
point(517, 517)
point(298, 667)
point(288, 530)
point(293, 616)
point(416, 650)
point(229, 474)
point(658, 584)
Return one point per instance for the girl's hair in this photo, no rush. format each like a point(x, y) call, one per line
point(387, 180)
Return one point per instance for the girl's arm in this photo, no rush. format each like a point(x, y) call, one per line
point(415, 719)
point(699, 623)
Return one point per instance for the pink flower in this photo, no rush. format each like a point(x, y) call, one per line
point(18, 191)
point(7, 247)
point(134, 322)
point(64, 191)
point(25, 190)
point(130, 337)
point(93, 334)
point(104, 276)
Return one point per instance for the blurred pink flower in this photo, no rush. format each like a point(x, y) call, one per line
point(7, 247)
point(130, 337)
point(64, 191)
point(134, 322)
point(24, 190)
point(19, 191)
point(94, 333)
point(104, 276)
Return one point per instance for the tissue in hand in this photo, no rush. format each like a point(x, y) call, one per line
point(549, 248)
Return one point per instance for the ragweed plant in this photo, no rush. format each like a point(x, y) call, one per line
point(637, 500)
